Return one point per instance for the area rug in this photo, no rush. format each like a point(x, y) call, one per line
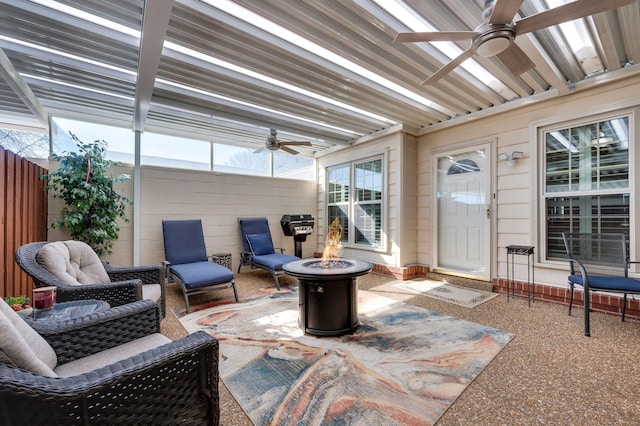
point(463, 296)
point(403, 366)
point(181, 310)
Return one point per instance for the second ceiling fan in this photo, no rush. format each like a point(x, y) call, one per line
point(495, 36)
point(273, 144)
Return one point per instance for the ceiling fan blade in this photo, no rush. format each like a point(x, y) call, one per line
point(289, 150)
point(567, 12)
point(259, 150)
point(295, 143)
point(516, 60)
point(504, 11)
point(449, 67)
point(434, 36)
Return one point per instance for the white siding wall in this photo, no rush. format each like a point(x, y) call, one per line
point(515, 187)
point(219, 200)
point(399, 149)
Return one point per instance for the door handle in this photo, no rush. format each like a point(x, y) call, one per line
point(488, 211)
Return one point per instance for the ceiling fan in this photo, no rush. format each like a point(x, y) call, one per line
point(495, 36)
point(273, 144)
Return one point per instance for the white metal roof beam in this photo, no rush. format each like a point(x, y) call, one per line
point(21, 89)
point(154, 28)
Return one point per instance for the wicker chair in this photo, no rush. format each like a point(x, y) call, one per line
point(126, 284)
point(143, 383)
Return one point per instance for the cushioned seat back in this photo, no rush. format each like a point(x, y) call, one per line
point(22, 347)
point(253, 226)
point(73, 262)
point(183, 241)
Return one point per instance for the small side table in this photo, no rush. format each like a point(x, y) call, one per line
point(523, 251)
point(223, 259)
point(65, 310)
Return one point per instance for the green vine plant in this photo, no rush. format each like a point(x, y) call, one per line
point(92, 207)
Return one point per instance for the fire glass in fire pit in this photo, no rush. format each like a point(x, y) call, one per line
point(329, 264)
point(328, 294)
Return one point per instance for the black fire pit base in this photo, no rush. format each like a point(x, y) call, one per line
point(328, 294)
point(328, 308)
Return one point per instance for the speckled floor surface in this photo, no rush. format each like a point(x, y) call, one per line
point(550, 373)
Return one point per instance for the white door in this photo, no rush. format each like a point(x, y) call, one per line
point(464, 212)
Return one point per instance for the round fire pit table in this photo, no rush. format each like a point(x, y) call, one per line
point(328, 294)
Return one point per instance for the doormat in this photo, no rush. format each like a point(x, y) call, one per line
point(463, 296)
point(404, 365)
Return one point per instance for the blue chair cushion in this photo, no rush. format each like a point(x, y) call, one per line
point(596, 282)
point(274, 261)
point(260, 244)
point(201, 274)
point(183, 241)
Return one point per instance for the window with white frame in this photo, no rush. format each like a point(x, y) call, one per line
point(355, 194)
point(586, 180)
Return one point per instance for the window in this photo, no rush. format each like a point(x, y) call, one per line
point(25, 144)
point(354, 194)
point(586, 180)
point(160, 150)
point(120, 141)
point(173, 151)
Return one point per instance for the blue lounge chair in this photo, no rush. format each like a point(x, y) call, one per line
point(259, 251)
point(188, 263)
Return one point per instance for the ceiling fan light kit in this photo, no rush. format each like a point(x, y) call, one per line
point(493, 39)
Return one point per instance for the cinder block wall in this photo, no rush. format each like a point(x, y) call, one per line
point(219, 200)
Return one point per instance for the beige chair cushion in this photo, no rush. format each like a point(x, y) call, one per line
point(73, 262)
point(22, 347)
point(152, 292)
point(110, 356)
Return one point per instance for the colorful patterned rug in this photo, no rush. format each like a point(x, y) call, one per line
point(462, 296)
point(403, 366)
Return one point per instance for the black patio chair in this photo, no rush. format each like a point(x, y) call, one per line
point(49, 264)
point(187, 261)
point(259, 251)
point(112, 367)
point(599, 262)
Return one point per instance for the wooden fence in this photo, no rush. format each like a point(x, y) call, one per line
point(23, 206)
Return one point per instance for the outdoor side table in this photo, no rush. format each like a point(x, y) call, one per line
point(223, 259)
point(65, 310)
point(522, 251)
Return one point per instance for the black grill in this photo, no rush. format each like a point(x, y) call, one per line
point(297, 226)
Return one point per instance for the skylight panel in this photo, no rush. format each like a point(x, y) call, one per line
point(78, 87)
point(66, 55)
point(227, 65)
point(255, 106)
point(198, 55)
point(51, 4)
point(278, 31)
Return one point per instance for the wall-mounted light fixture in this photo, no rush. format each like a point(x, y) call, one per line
point(510, 157)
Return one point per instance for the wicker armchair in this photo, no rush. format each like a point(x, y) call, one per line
point(174, 383)
point(126, 284)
